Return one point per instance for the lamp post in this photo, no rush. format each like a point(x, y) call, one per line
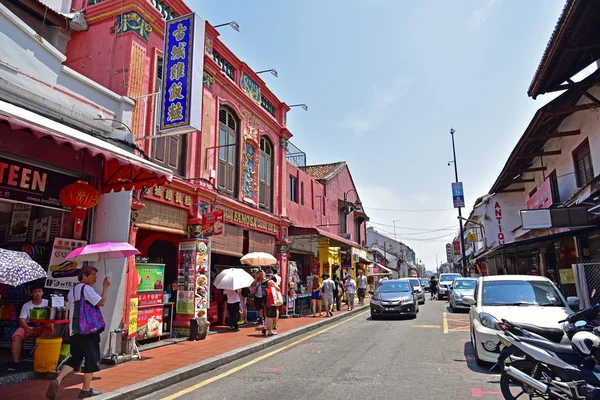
point(304, 106)
point(357, 206)
point(460, 224)
point(234, 25)
point(273, 72)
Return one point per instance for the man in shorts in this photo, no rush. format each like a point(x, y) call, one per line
point(350, 291)
point(361, 283)
point(328, 286)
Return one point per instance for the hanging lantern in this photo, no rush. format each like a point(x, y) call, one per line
point(79, 196)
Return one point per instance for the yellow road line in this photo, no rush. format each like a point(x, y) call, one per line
point(426, 326)
point(445, 322)
point(258, 359)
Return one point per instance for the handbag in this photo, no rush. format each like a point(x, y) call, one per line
point(87, 318)
point(274, 297)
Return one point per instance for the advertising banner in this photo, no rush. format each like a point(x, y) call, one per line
point(150, 323)
point(212, 223)
point(542, 198)
point(449, 257)
point(151, 277)
point(133, 317)
point(150, 299)
point(458, 195)
point(62, 273)
point(19, 223)
point(456, 247)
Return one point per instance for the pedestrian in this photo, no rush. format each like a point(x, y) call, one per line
point(244, 294)
point(273, 307)
point(259, 297)
point(328, 287)
point(337, 293)
point(85, 327)
point(316, 296)
point(361, 283)
point(233, 308)
point(350, 291)
point(433, 286)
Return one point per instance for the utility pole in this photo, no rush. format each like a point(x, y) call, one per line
point(394, 222)
point(460, 224)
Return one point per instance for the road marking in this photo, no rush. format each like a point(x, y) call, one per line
point(445, 322)
point(475, 392)
point(426, 326)
point(258, 359)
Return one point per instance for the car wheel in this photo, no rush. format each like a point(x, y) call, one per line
point(374, 317)
point(478, 360)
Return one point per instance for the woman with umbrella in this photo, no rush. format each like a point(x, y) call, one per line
point(232, 280)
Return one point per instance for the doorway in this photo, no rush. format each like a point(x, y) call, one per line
point(164, 252)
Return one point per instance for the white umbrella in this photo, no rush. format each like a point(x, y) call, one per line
point(258, 259)
point(233, 279)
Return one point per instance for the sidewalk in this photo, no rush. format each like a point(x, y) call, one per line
point(164, 366)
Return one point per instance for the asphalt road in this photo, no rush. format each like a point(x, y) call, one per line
point(422, 358)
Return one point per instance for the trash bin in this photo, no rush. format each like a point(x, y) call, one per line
point(46, 354)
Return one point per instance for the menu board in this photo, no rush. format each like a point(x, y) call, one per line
point(192, 279)
point(151, 277)
point(149, 322)
point(62, 273)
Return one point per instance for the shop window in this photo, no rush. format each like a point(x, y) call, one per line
point(228, 133)
point(293, 189)
point(265, 186)
point(582, 157)
point(554, 187)
point(170, 151)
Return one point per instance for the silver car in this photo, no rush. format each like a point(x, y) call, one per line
point(418, 288)
point(445, 283)
point(460, 288)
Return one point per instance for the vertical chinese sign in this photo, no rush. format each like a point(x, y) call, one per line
point(181, 94)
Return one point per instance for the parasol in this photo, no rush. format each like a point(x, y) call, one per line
point(233, 279)
point(16, 268)
point(259, 259)
point(103, 251)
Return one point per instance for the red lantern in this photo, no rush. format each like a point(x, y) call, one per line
point(79, 196)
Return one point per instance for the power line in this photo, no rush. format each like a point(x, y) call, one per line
point(401, 210)
point(412, 229)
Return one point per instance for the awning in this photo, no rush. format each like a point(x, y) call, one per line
point(362, 260)
point(122, 169)
point(334, 240)
point(384, 268)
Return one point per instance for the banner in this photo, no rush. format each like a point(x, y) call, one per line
point(449, 257)
point(151, 277)
point(150, 299)
point(456, 247)
point(62, 273)
point(458, 195)
point(212, 223)
point(149, 322)
point(133, 317)
point(19, 223)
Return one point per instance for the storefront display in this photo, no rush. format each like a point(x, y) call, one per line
point(192, 281)
point(62, 273)
point(150, 307)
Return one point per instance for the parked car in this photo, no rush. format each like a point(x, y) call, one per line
point(394, 297)
point(444, 284)
point(461, 287)
point(425, 284)
point(418, 288)
point(517, 298)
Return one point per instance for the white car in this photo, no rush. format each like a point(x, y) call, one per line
point(517, 298)
point(445, 283)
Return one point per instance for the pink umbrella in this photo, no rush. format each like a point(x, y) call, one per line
point(103, 251)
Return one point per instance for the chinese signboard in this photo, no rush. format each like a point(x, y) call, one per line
point(150, 299)
point(456, 247)
point(31, 184)
point(542, 198)
point(149, 322)
point(247, 220)
point(151, 277)
point(181, 97)
point(62, 273)
point(472, 237)
point(172, 196)
point(449, 257)
point(458, 196)
point(212, 223)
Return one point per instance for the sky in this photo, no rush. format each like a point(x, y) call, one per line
point(386, 80)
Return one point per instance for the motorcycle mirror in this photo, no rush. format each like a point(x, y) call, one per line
point(593, 293)
point(580, 324)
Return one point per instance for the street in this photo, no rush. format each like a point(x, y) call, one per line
point(357, 357)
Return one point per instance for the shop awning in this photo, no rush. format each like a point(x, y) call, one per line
point(334, 240)
point(122, 169)
point(363, 260)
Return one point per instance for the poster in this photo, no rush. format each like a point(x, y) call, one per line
point(202, 289)
point(149, 322)
point(150, 299)
point(185, 302)
point(151, 277)
point(133, 317)
point(19, 223)
point(212, 223)
point(41, 230)
point(566, 276)
point(62, 273)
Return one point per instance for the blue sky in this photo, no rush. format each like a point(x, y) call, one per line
point(385, 80)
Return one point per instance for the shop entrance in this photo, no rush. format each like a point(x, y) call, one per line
point(164, 252)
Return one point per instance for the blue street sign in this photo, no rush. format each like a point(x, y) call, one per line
point(458, 196)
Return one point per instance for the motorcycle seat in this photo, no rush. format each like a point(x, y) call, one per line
point(554, 334)
point(553, 347)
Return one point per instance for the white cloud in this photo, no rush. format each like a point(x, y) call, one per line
point(379, 108)
point(479, 17)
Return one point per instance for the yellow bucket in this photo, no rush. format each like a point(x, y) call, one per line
point(45, 357)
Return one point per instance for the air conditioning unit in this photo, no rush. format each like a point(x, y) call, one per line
point(355, 258)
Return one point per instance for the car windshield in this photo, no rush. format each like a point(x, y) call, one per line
point(460, 284)
point(449, 277)
point(389, 286)
point(520, 293)
point(424, 282)
point(415, 282)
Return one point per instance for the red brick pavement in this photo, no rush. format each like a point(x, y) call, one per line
point(157, 361)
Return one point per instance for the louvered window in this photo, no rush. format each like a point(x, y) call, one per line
point(168, 151)
point(225, 66)
point(265, 186)
point(228, 128)
point(584, 170)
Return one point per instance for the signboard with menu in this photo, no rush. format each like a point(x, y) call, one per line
point(212, 223)
point(62, 273)
point(151, 277)
point(192, 280)
point(149, 323)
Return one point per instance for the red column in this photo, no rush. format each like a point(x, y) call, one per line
point(131, 277)
point(282, 260)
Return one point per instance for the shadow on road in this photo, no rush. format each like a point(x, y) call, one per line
point(457, 311)
point(390, 318)
point(472, 365)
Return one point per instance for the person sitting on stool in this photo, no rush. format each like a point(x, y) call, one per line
point(25, 331)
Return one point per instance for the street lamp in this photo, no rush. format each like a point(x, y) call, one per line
point(234, 25)
point(304, 106)
point(273, 72)
point(460, 224)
